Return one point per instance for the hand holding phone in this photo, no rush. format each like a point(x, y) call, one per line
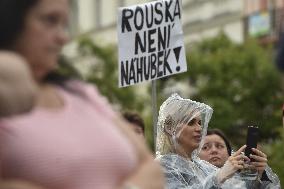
point(250, 172)
point(252, 139)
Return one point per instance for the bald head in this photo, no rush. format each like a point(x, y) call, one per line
point(18, 90)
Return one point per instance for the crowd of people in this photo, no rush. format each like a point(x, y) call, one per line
point(61, 133)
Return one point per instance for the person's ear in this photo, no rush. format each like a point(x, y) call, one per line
point(169, 126)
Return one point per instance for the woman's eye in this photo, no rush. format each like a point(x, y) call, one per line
point(50, 19)
point(191, 122)
point(205, 148)
point(194, 121)
point(54, 20)
point(220, 146)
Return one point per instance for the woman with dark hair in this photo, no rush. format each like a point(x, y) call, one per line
point(216, 148)
point(72, 139)
point(137, 122)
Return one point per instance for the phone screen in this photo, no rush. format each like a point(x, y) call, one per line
point(252, 139)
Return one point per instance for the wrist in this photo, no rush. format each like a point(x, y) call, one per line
point(216, 181)
point(220, 177)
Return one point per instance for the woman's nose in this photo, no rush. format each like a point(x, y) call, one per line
point(198, 127)
point(62, 36)
point(213, 149)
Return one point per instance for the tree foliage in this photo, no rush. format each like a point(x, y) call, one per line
point(238, 80)
point(104, 74)
point(241, 84)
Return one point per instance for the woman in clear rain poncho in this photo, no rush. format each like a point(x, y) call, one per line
point(182, 124)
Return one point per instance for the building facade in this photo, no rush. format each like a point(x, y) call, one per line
point(201, 18)
point(263, 19)
point(239, 19)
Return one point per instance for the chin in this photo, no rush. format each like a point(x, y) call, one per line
point(41, 73)
point(51, 65)
point(217, 165)
point(195, 147)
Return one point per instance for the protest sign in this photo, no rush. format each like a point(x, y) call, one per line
point(150, 40)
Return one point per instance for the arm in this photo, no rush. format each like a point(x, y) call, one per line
point(148, 173)
point(267, 179)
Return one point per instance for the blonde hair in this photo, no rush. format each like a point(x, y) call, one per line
point(174, 113)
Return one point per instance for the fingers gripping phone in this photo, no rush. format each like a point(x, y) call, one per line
point(252, 139)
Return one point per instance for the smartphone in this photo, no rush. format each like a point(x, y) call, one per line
point(252, 139)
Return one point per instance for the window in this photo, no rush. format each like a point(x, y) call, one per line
point(73, 25)
point(98, 14)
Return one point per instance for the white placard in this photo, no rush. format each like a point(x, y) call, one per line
point(150, 42)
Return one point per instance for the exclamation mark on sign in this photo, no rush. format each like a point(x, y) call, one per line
point(177, 54)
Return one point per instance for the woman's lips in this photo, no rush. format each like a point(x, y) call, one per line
point(215, 159)
point(198, 138)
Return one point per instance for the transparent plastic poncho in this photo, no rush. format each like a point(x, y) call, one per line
point(174, 113)
point(184, 172)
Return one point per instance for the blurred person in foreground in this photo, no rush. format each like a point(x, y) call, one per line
point(182, 126)
point(18, 93)
point(71, 139)
point(137, 122)
point(18, 90)
point(13, 184)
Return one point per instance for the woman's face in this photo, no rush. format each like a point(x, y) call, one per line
point(190, 136)
point(44, 35)
point(214, 150)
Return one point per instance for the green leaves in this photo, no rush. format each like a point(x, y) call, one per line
point(240, 82)
point(104, 74)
